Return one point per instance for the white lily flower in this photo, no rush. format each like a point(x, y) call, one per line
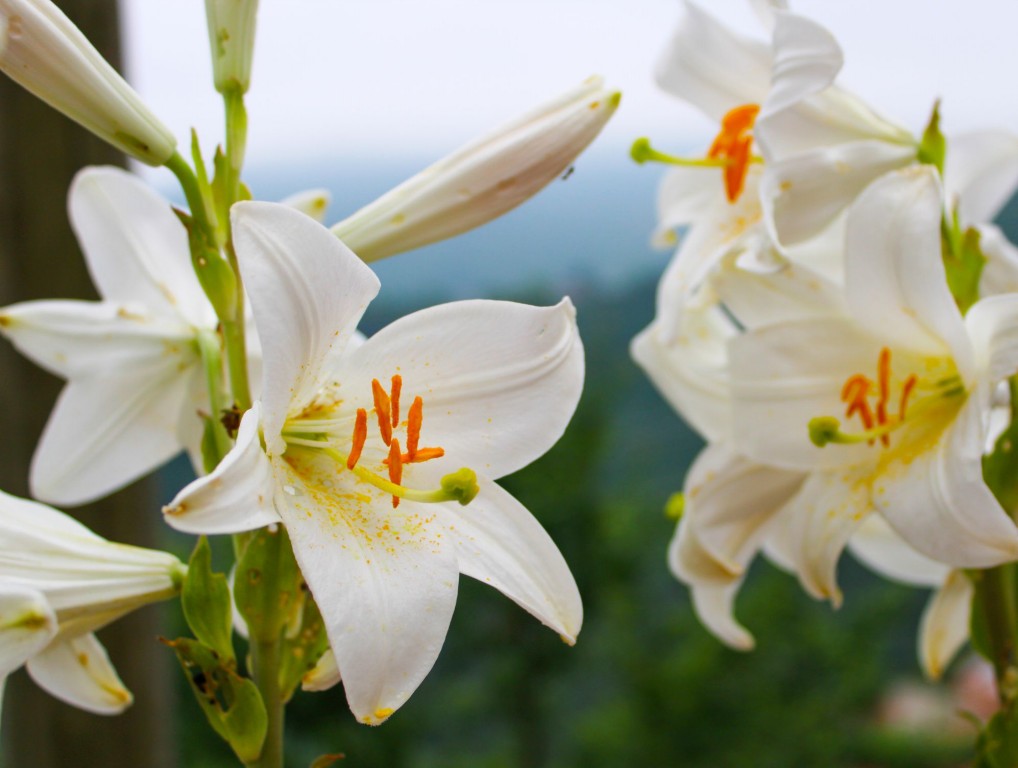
point(322, 452)
point(484, 179)
point(82, 582)
point(27, 624)
point(46, 54)
point(231, 26)
point(131, 360)
point(913, 380)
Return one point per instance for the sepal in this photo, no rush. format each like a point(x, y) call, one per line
point(206, 603)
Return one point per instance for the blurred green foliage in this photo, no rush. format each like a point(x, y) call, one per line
point(646, 685)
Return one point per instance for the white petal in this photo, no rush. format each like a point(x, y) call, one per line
point(312, 202)
point(82, 338)
point(894, 271)
point(981, 173)
point(765, 11)
point(713, 68)
point(385, 581)
point(308, 291)
point(237, 496)
point(78, 672)
point(814, 528)
point(992, 324)
point(804, 193)
point(945, 624)
point(686, 195)
point(729, 502)
point(938, 502)
point(823, 121)
point(878, 547)
point(135, 246)
point(499, 380)
point(807, 58)
point(714, 606)
point(690, 372)
point(499, 543)
point(105, 432)
point(325, 674)
point(27, 624)
point(784, 375)
point(1000, 273)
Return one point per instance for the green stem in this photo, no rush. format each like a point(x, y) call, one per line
point(265, 661)
point(236, 361)
point(236, 140)
point(212, 360)
point(996, 598)
point(192, 193)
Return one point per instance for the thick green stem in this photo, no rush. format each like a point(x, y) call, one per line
point(996, 599)
point(265, 662)
point(236, 140)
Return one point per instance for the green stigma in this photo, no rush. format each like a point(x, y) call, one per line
point(461, 485)
point(824, 430)
point(675, 507)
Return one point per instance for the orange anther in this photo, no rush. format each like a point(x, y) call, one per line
point(906, 391)
point(395, 468)
point(360, 434)
point(424, 454)
point(397, 387)
point(884, 382)
point(734, 144)
point(413, 427)
point(382, 411)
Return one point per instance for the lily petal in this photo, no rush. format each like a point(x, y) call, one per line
point(484, 367)
point(78, 671)
point(894, 274)
point(135, 246)
point(27, 624)
point(385, 581)
point(711, 67)
point(945, 624)
point(992, 324)
point(324, 675)
point(938, 501)
point(499, 543)
point(981, 173)
point(803, 193)
point(311, 202)
point(878, 547)
point(308, 292)
point(237, 496)
point(807, 58)
point(105, 432)
point(1000, 273)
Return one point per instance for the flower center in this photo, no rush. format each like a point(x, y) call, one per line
point(731, 150)
point(871, 400)
point(325, 434)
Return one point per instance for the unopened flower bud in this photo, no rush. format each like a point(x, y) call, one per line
point(231, 38)
point(45, 53)
point(483, 180)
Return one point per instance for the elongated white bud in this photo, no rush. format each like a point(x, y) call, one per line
point(44, 52)
point(231, 37)
point(483, 180)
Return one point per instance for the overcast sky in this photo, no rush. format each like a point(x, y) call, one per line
point(335, 78)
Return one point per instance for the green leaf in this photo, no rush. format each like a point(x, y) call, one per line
point(963, 262)
point(206, 602)
point(933, 147)
point(268, 587)
point(231, 703)
point(303, 647)
point(997, 746)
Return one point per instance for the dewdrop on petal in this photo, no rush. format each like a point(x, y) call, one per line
point(46, 54)
point(483, 180)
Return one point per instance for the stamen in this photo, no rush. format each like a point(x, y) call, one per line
point(884, 381)
point(395, 468)
point(854, 393)
point(413, 427)
point(397, 387)
point(360, 434)
point(382, 411)
point(906, 391)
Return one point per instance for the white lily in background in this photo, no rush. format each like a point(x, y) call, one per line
point(913, 381)
point(84, 582)
point(736, 508)
point(46, 54)
point(483, 180)
point(27, 624)
point(367, 454)
point(132, 360)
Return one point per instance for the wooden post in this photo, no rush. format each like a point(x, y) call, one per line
point(40, 151)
